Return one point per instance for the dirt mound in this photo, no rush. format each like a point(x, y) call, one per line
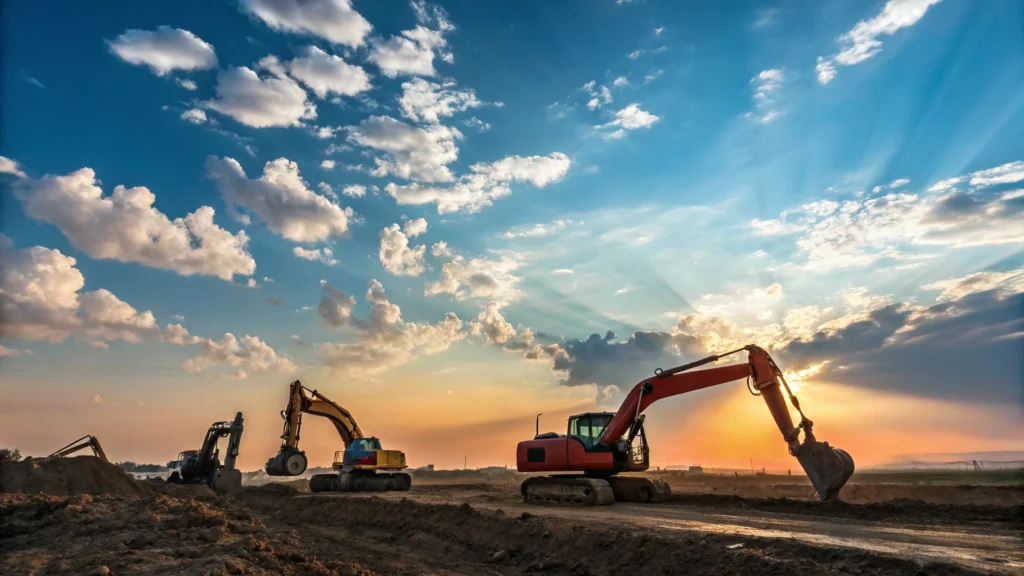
point(68, 476)
point(897, 510)
point(153, 535)
point(529, 544)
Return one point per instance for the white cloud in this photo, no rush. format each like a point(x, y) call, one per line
point(325, 255)
point(327, 74)
point(187, 84)
point(328, 164)
point(442, 250)
point(164, 50)
point(486, 183)
point(621, 291)
point(477, 278)
point(8, 166)
point(249, 353)
point(600, 95)
point(539, 230)
point(386, 340)
point(333, 20)
point(653, 75)
point(635, 54)
point(758, 303)
point(620, 82)
point(410, 152)
point(281, 198)
point(1005, 283)
point(273, 100)
point(857, 232)
point(335, 306)
point(396, 255)
point(252, 283)
point(425, 101)
point(766, 86)
point(194, 115)
point(6, 352)
point(41, 299)
point(631, 117)
point(413, 52)
point(354, 191)
point(657, 31)
point(126, 227)
point(863, 41)
point(563, 271)
point(477, 124)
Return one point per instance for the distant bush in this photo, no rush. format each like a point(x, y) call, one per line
point(10, 455)
point(141, 468)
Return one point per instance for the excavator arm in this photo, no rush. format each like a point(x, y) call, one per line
point(290, 461)
point(81, 444)
point(828, 468)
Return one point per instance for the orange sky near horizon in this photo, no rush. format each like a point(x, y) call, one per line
point(483, 418)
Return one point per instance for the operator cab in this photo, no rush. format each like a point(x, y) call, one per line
point(630, 452)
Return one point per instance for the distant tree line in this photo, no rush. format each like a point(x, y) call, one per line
point(141, 468)
point(10, 455)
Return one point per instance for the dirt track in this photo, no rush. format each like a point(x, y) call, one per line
point(481, 527)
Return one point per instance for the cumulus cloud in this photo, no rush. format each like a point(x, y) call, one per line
point(476, 278)
point(335, 306)
point(250, 353)
point(396, 255)
point(386, 340)
point(766, 85)
point(412, 53)
point(164, 50)
point(194, 116)
point(410, 152)
point(631, 117)
point(8, 166)
point(333, 20)
point(6, 352)
point(354, 191)
point(485, 183)
point(477, 124)
point(325, 255)
point(425, 101)
point(281, 198)
point(274, 100)
point(599, 95)
point(864, 40)
point(327, 74)
point(125, 226)
point(41, 300)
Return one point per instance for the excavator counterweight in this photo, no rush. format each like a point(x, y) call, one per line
point(599, 445)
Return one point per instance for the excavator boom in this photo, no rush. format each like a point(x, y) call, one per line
point(81, 444)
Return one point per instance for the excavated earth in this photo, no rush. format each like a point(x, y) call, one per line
point(96, 521)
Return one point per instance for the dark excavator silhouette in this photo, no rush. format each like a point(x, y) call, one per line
point(203, 466)
point(600, 445)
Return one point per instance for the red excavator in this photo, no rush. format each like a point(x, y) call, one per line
point(600, 445)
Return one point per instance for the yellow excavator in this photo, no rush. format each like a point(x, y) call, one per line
point(362, 467)
point(81, 444)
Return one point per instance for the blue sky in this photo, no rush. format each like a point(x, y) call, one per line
point(698, 175)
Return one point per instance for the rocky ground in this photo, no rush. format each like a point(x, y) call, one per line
point(130, 527)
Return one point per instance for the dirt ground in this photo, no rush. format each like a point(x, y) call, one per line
point(475, 525)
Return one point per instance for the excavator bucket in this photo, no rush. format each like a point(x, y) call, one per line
point(828, 468)
point(227, 481)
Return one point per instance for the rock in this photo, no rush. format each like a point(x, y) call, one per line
point(499, 556)
point(465, 508)
point(499, 512)
point(545, 534)
point(101, 571)
point(525, 516)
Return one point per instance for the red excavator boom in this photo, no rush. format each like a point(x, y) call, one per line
point(602, 444)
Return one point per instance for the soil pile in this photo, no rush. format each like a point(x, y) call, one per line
point(152, 535)
point(68, 476)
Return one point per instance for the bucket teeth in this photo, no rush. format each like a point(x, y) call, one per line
point(828, 468)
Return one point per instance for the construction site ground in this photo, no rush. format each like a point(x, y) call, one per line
point(82, 516)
